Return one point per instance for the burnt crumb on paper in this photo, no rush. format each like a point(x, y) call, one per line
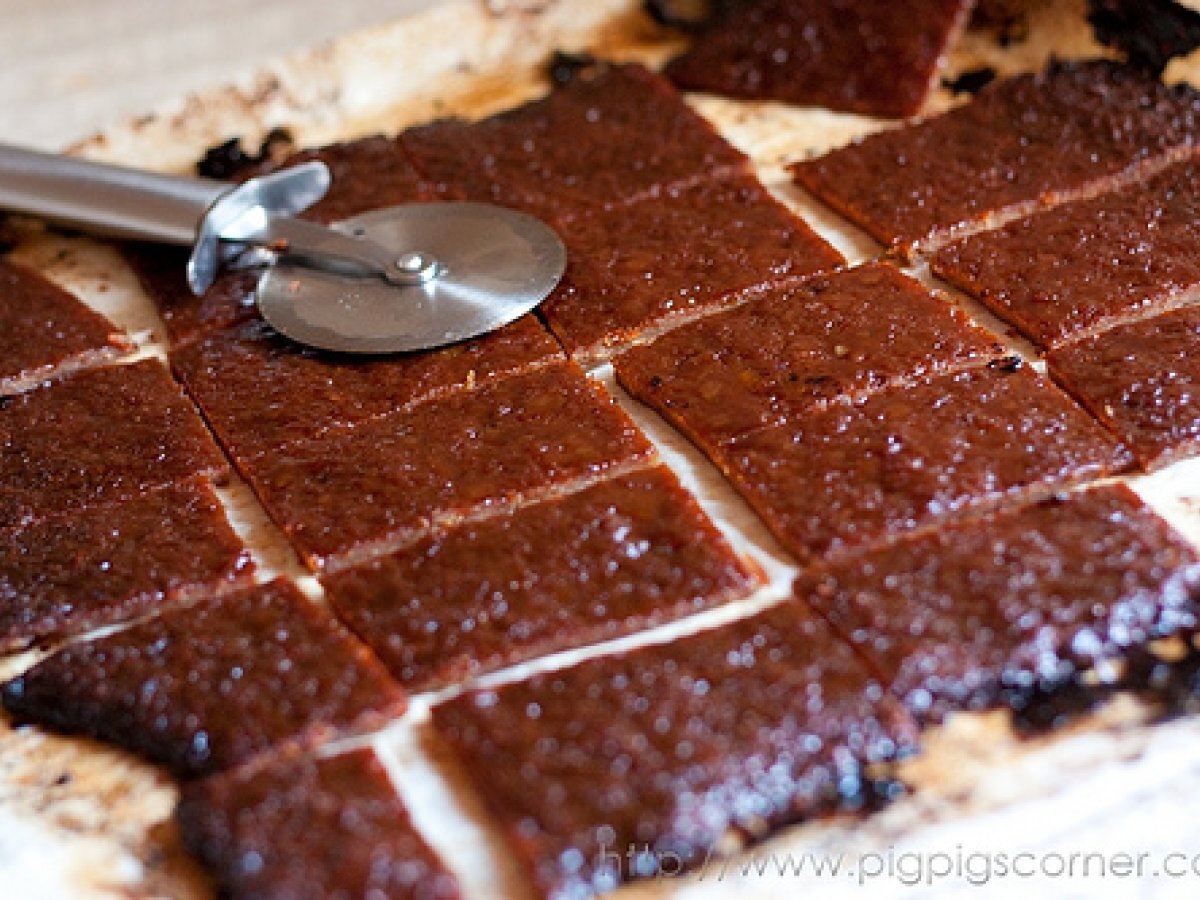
point(1149, 32)
point(565, 65)
point(970, 82)
point(230, 160)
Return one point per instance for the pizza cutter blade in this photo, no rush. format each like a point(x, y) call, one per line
point(403, 278)
point(477, 267)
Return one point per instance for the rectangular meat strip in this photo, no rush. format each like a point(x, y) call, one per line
point(798, 347)
point(387, 480)
point(260, 391)
point(1142, 380)
point(99, 435)
point(859, 474)
point(669, 256)
point(625, 554)
point(1079, 268)
point(290, 826)
point(1073, 130)
point(203, 688)
point(640, 765)
point(612, 134)
point(45, 331)
point(985, 613)
point(873, 57)
point(112, 562)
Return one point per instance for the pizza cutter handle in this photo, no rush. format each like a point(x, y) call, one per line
point(128, 203)
point(105, 199)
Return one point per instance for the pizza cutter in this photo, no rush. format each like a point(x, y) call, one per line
point(409, 277)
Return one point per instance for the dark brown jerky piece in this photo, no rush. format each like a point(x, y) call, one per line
point(1031, 140)
point(290, 827)
point(99, 435)
point(1143, 381)
point(639, 765)
point(798, 347)
point(260, 391)
point(612, 134)
point(857, 475)
point(46, 331)
point(162, 273)
point(684, 250)
point(874, 57)
point(112, 562)
point(387, 480)
point(982, 613)
point(203, 688)
point(623, 555)
point(1087, 265)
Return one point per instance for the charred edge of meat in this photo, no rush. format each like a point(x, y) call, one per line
point(1149, 32)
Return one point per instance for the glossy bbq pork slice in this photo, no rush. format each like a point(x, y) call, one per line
point(641, 764)
point(98, 435)
point(46, 332)
point(873, 57)
point(112, 562)
point(1084, 266)
point(612, 134)
point(388, 480)
point(261, 391)
point(988, 612)
point(678, 253)
point(205, 687)
point(1143, 381)
point(798, 347)
point(1073, 130)
point(288, 826)
point(859, 474)
point(625, 554)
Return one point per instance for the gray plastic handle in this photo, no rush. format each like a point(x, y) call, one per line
point(105, 199)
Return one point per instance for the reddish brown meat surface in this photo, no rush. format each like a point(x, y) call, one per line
point(682, 251)
point(115, 561)
point(1143, 381)
point(203, 688)
point(100, 435)
point(1030, 140)
point(260, 391)
point(162, 273)
point(796, 348)
point(639, 765)
point(855, 475)
point(874, 57)
point(290, 827)
point(623, 555)
point(985, 612)
point(44, 330)
point(1086, 265)
point(389, 479)
point(614, 133)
